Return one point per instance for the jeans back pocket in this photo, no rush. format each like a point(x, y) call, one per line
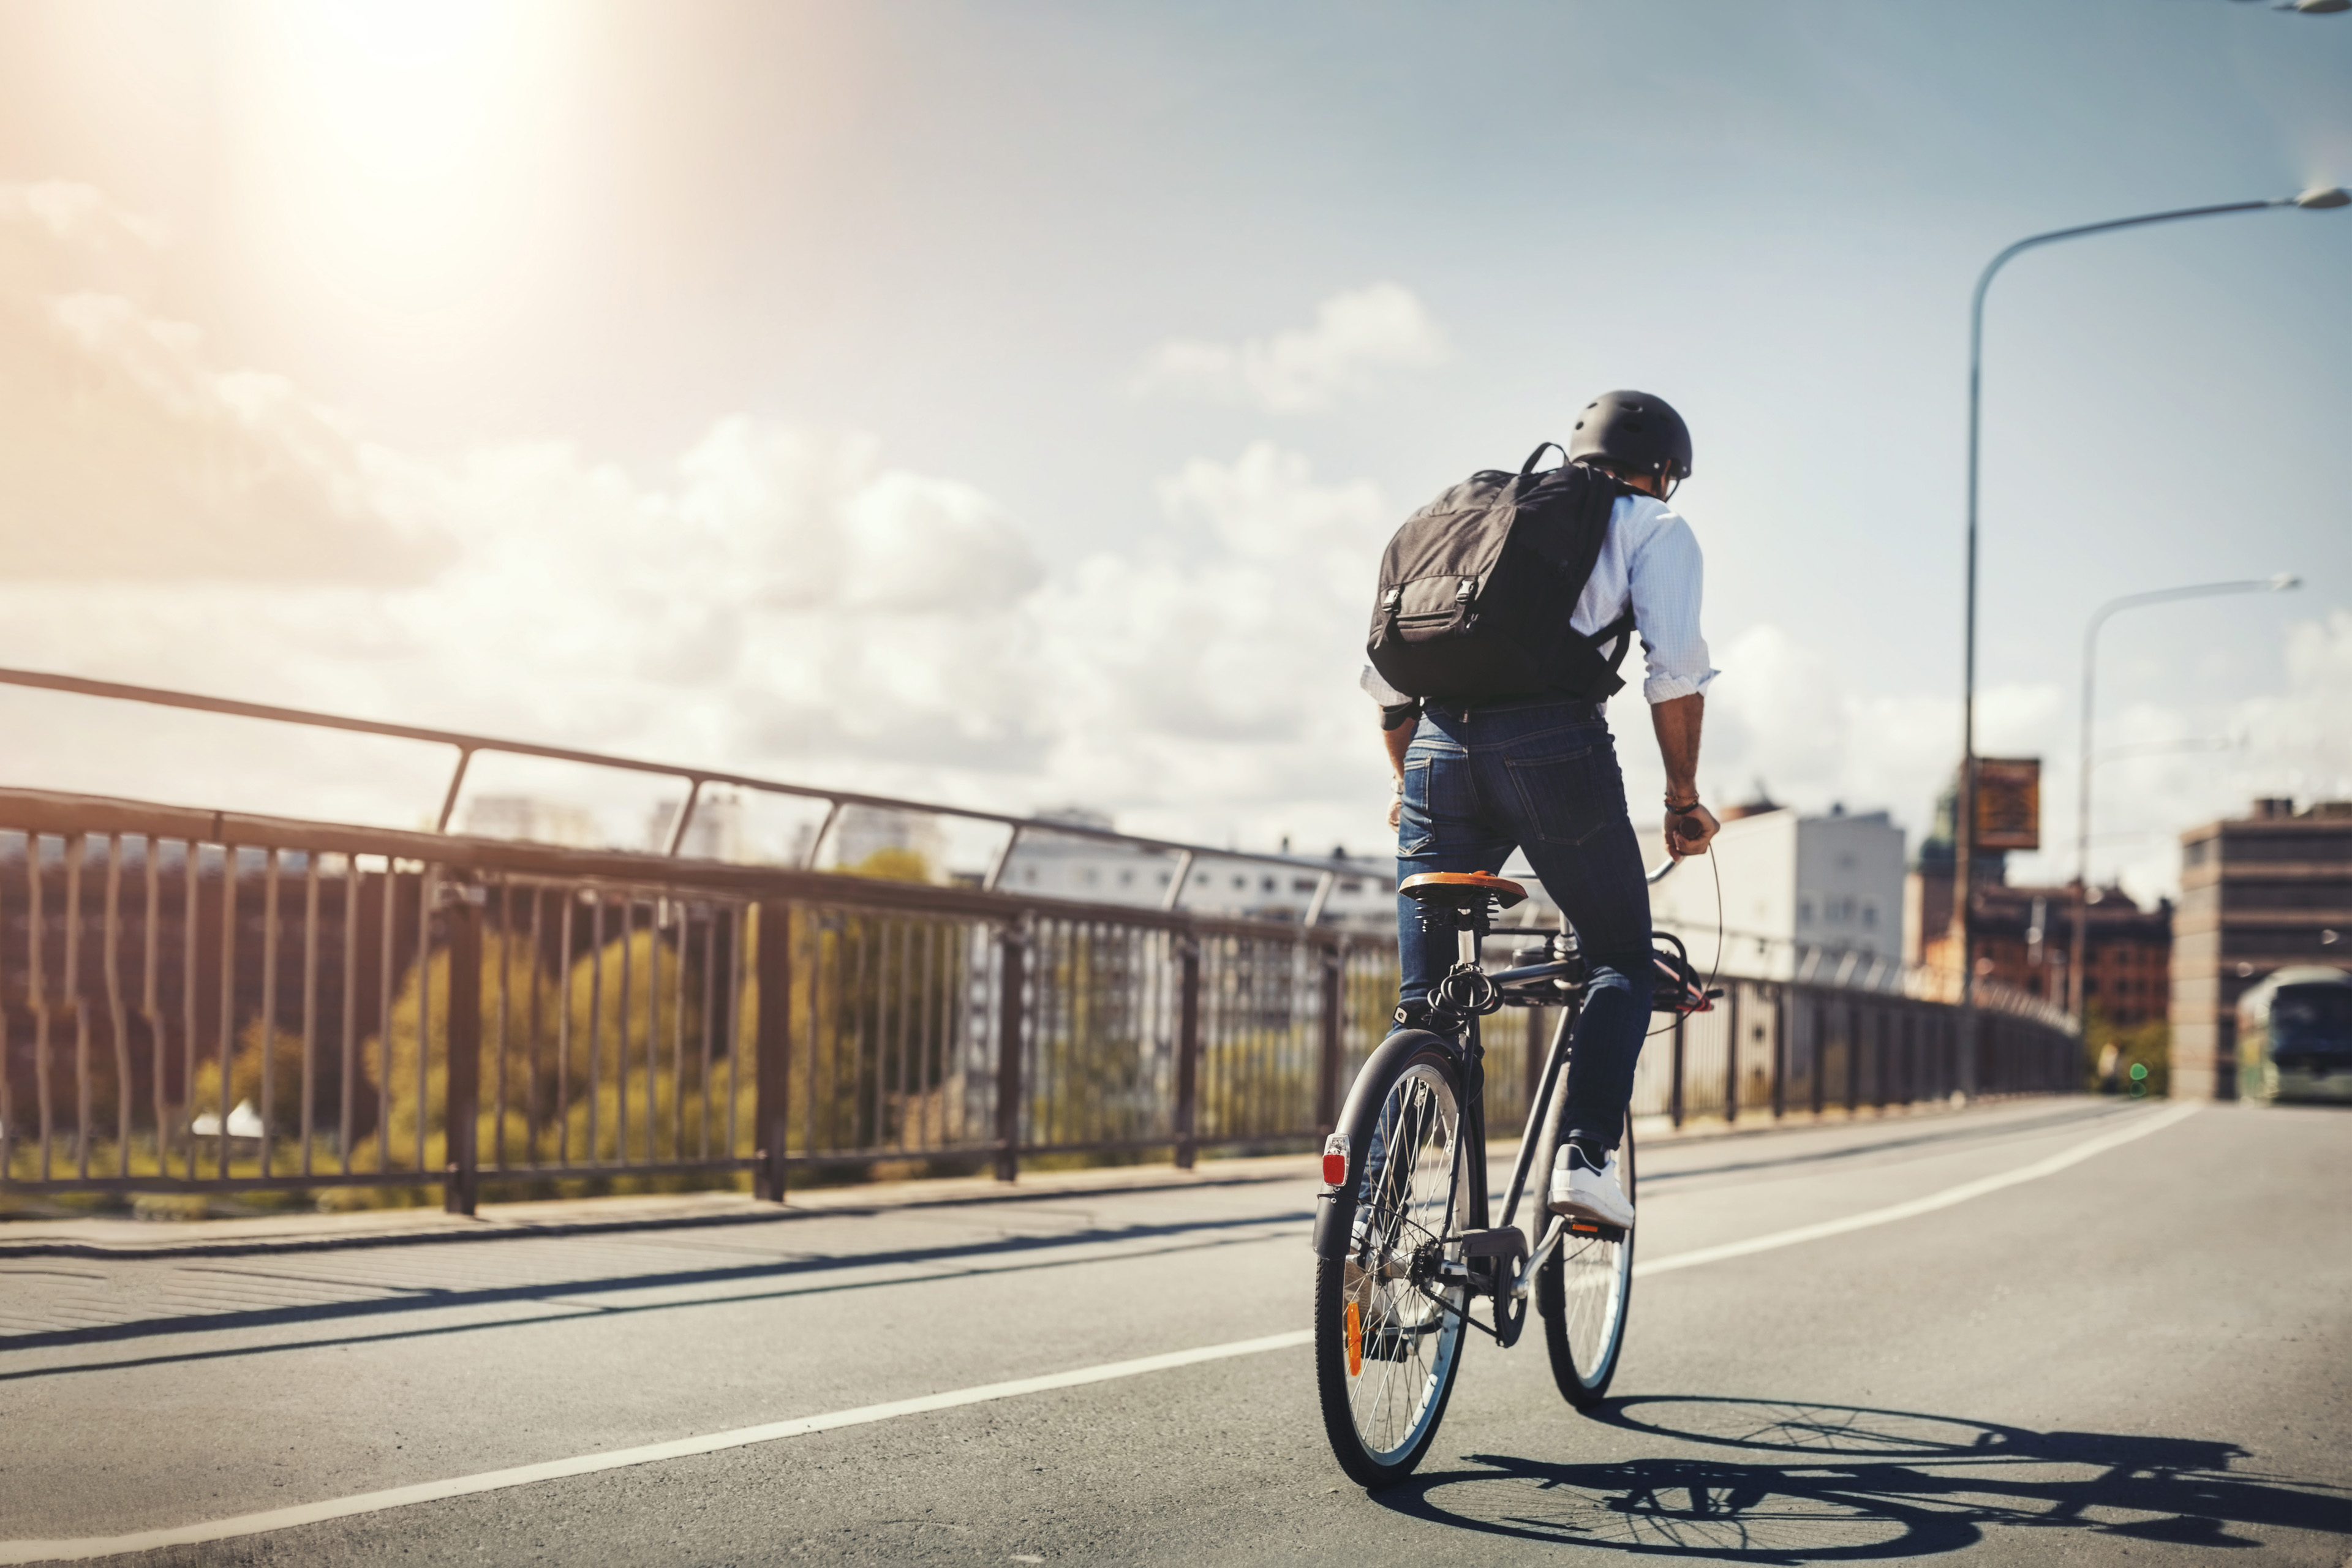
point(1568, 796)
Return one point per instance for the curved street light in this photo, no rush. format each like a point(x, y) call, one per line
point(2078, 996)
point(2317, 197)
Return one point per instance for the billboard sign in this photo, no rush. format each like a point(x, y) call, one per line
point(2009, 803)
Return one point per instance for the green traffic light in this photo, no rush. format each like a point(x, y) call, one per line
point(2139, 1070)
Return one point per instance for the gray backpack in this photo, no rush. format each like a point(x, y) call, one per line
point(1476, 589)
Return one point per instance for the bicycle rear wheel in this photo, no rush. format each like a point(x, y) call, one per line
point(1584, 1293)
point(1388, 1315)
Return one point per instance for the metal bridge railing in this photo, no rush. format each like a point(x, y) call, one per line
point(202, 1001)
point(198, 1000)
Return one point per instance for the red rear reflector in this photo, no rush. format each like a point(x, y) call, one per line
point(1335, 1159)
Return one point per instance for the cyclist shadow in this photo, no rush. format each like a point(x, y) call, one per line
point(1815, 1483)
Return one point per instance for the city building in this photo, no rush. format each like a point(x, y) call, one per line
point(2257, 893)
point(2024, 936)
point(2025, 940)
point(1795, 891)
point(1363, 890)
point(715, 831)
point(528, 817)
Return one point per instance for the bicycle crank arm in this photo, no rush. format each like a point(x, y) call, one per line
point(1542, 1254)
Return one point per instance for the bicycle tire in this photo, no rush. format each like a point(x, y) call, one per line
point(1388, 1349)
point(1584, 1294)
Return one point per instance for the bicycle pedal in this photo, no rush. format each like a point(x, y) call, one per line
point(1593, 1230)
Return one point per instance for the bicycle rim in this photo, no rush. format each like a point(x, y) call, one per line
point(1587, 1289)
point(1388, 1339)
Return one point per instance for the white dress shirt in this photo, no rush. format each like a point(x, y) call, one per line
point(1648, 561)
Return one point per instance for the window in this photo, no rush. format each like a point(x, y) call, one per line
point(1029, 875)
point(1127, 878)
point(1804, 911)
point(1870, 917)
point(1351, 887)
point(1302, 884)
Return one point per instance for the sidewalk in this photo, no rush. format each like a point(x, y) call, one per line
point(113, 1237)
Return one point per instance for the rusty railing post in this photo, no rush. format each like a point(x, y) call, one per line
point(1013, 947)
point(1853, 1036)
point(771, 1050)
point(1779, 1052)
point(1326, 1075)
point(1188, 1050)
point(1675, 1097)
point(1731, 1056)
point(461, 1105)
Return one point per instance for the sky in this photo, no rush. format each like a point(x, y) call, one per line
point(1005, 405)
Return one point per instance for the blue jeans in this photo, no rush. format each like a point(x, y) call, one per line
point(1539, 776)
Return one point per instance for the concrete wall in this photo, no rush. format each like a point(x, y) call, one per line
point(1790, 882)
point(1850, 883)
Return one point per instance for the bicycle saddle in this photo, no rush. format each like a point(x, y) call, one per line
point(1461, 889)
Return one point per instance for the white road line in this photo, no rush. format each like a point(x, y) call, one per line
point(1915, 1207)
point(86, 1547)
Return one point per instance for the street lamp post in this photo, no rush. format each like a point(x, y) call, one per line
point(2078, 996)
point(2317, 197)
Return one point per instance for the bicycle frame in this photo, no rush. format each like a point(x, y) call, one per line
point(1455, 1026)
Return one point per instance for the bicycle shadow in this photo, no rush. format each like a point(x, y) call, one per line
point(1820, 1483)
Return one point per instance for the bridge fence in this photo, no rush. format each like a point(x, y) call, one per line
point(198, 1001)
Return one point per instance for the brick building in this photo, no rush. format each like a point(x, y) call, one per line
point(2025, 938)
point(2257, 893)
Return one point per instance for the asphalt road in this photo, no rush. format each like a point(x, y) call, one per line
point(2141, 1357)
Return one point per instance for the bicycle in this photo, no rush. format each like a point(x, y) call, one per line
point(1403, 1242)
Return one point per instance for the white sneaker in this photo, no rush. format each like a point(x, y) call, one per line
point(1580, 1191)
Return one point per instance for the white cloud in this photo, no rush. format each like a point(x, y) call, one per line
point(787, 601)
point(1359, 339)
point(1784, 715)
point(123, 453)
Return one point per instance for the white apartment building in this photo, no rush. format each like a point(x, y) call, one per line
point(1363, 890)
point(1795, 889)
point(528, 817)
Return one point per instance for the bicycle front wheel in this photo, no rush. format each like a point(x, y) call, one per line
point(1389, 1314)
point(1583, 1294)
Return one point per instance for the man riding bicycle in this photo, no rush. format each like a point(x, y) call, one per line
point(1531, 765)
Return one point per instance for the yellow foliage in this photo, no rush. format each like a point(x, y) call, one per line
point(617, 1023)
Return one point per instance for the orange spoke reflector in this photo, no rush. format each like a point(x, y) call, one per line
point(1355, 1342)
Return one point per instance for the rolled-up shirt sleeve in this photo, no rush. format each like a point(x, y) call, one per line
point(1664, 576)
point(1379, 690)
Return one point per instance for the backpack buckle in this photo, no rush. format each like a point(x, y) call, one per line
point(1469, 586)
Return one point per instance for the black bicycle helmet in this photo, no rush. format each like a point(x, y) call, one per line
point(1633, 433)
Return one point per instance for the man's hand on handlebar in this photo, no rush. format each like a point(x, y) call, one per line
point(1690, 831)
